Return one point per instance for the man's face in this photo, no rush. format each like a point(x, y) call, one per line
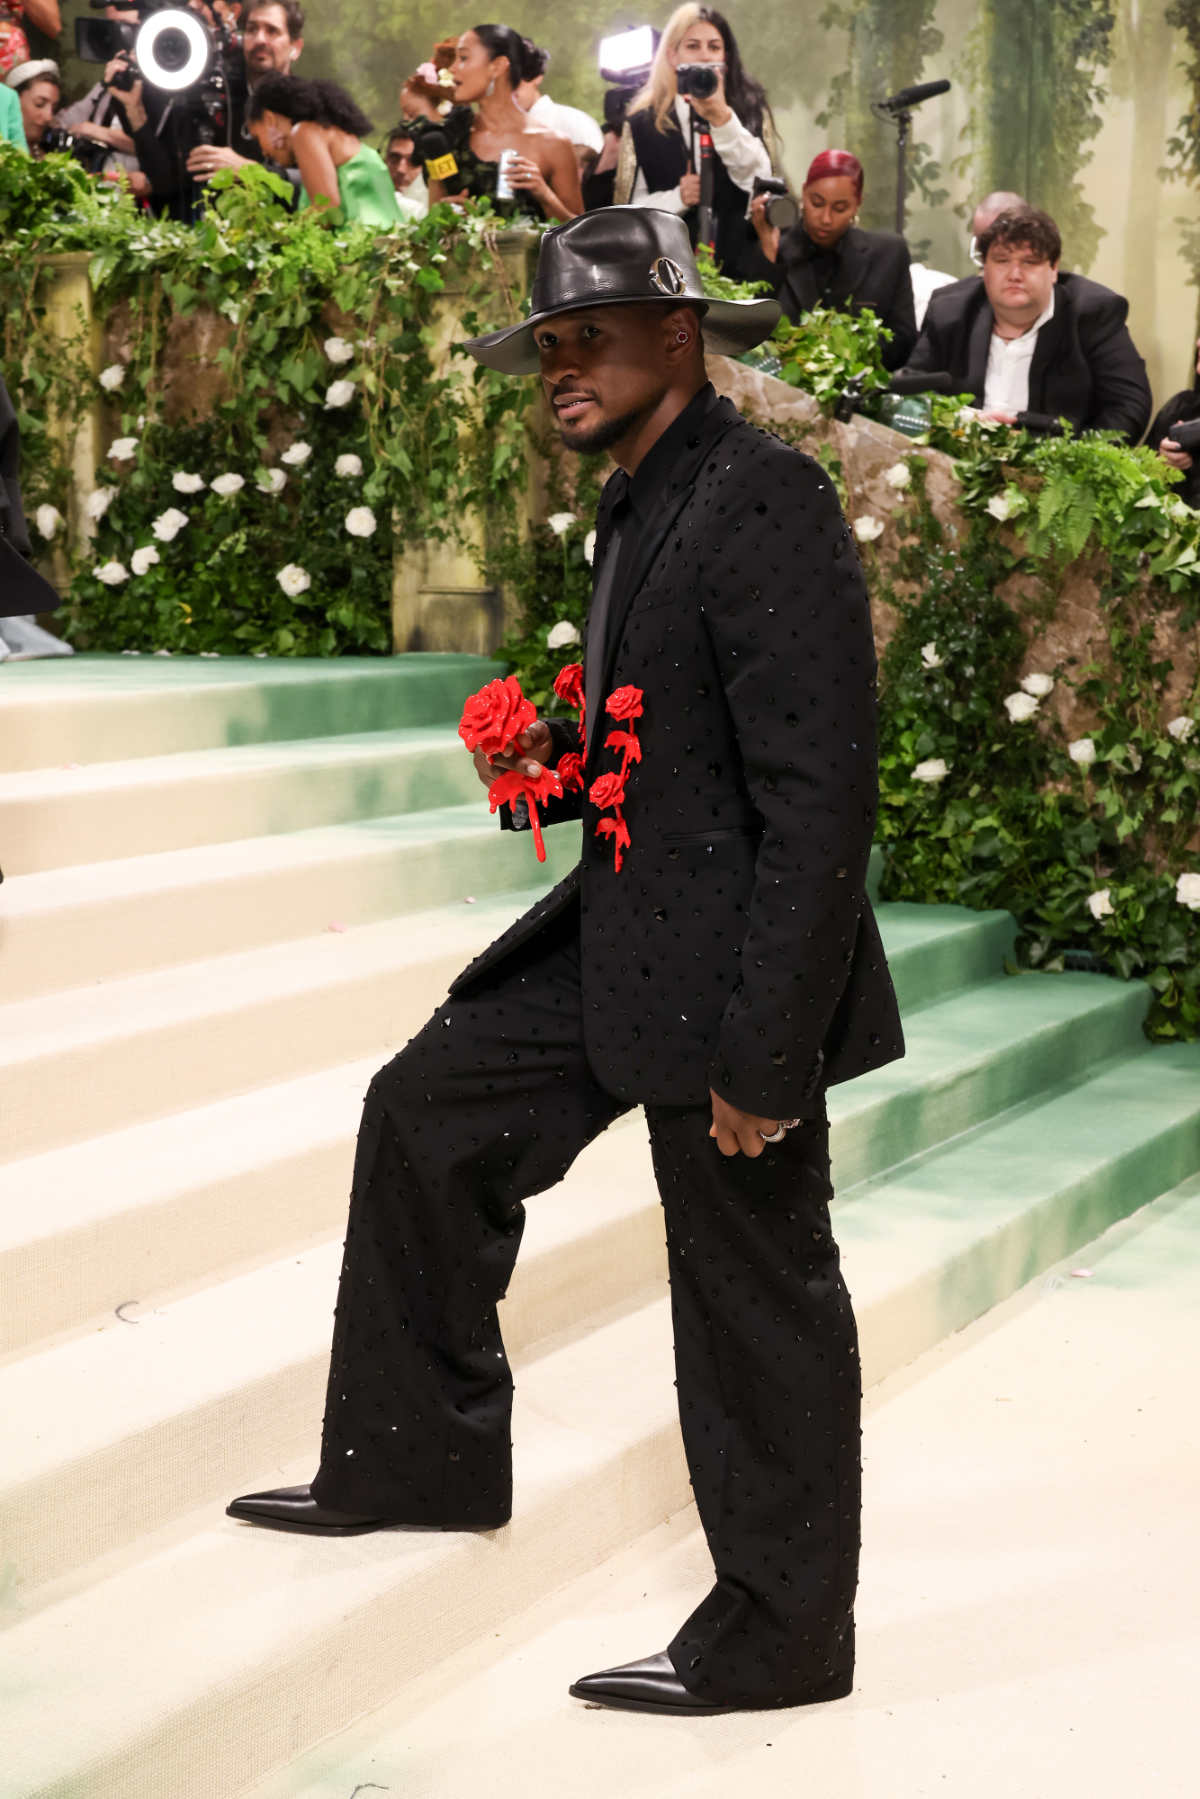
point(266, 45)
point(39, 103)
point(402, 166)
point(1019, 282)
point(603, 371)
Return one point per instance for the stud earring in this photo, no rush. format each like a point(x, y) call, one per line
point(681, 337)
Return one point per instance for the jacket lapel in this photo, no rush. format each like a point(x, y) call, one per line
point(979, 342)
point(1048, 353)
point(722, 416)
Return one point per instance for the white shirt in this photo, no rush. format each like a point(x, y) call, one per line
point(743, 154)
point(577, 127)
point(1006, 388)
point(925, 283)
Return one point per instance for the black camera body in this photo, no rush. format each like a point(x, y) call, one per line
point(1186, 433)
point(781, 209)
point(700, 79)
point(58, 141)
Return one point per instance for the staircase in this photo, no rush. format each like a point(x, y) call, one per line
point(234, 889)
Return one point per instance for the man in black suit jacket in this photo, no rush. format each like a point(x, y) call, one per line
point(714, 958)
point(1032, 345)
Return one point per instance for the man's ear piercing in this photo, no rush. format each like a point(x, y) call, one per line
point(681, 337)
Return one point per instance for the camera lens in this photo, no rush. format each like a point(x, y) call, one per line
point(172, 51)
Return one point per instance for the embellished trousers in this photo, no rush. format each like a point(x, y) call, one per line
point(489, 1105)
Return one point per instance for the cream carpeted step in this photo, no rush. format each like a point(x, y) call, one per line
point(1028, 1614)
point(214, 1658)
point(79, 924)
point(110, 708)
point(90, 1060)
point(138, 1211)
point(64, 817)
point(116, 1431)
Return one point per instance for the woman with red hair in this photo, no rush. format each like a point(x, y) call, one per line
point(826, 259)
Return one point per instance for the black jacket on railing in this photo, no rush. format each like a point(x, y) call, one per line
point(866, 271)
point(1085, 368)
point(736, 949)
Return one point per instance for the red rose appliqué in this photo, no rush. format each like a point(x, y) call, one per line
point(495, 717)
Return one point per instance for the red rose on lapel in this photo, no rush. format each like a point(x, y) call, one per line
point(625, 703)
point(570, 771)
point(568, 685)
point(607, 790)
point(495, 716)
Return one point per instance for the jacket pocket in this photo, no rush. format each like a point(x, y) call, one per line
point(718, 835)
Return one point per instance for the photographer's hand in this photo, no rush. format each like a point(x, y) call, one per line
point(206, 159)
point(1170, 452)
point(768, 234)
point(128, 99)
point(715, 110)
point(689, 190)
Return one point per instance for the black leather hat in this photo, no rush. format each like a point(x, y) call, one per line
point(621, 256)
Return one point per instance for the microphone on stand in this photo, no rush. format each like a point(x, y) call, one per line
point(911, 96)
point(898, 109)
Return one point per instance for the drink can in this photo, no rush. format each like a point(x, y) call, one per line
point(504, 187)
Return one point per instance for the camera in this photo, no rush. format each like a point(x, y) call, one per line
point(1186, 433)
point(781, 208)
point(700, 79)
point(57, 140)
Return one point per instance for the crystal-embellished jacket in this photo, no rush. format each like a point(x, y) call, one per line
point(736, 948)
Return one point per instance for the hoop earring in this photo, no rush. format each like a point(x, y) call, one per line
point(681, 337)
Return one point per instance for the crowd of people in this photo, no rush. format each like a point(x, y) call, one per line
point(1030, 341)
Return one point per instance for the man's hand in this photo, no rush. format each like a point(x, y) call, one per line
point(1000, 418)
point(206, 159)
point(1170, 452)
point(739, 1133)
point(536, 749)
point(689, 190)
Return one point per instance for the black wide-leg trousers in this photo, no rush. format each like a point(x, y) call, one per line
point(490, 1104)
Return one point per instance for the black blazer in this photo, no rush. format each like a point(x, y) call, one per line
point(22, 589)
point(1180, 408)
point(1085, 368)
point(737, 948)
point(872, 272)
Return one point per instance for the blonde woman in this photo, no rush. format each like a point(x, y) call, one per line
point(656, 166)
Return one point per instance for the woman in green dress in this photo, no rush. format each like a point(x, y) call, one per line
point(316, 127)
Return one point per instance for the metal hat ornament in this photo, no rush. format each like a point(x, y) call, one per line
point(621, 256)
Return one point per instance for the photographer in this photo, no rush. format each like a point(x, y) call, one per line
point(38, 87)
point(825, 259)
point(1182, 410)
point(697, 81)
point(183, 138)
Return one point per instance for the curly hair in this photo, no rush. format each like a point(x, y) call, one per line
point(318, 102)
point(1023, 226)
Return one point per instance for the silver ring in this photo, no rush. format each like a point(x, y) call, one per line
point(776, 1137)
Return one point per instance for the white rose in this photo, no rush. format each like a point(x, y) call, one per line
point(296, 455)
point(348, 467)
point(169, 524)
point(122, 449)
point(99, 501)
point(934, 770)
point(294, 580)
point(227, 485)
point(562, 634)
point(899, 476)
point(182, 482)
point(47, 519)
point(339, 393)
point(111, 573)
point(1187, 892)
point(868, 528)
point(338, 350)
point(589, 548)
point(144, 559)
point(929, 656)
point(112, 377)
point(361, 522)
point(271, 481)
point(560, 522)
point(1083, 751)
point(1181, 729)
point(1099, 904)
point(1020, 707)
point(1038, 685)
point(1000, 506)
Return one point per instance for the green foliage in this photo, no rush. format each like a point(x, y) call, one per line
point(826, 350)
point(438, 440)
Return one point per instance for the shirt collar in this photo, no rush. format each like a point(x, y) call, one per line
point(652, 477)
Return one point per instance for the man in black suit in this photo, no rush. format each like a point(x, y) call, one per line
point(713, 957)
point(1032, 345)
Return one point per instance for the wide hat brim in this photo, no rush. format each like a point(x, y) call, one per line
point(622, 256)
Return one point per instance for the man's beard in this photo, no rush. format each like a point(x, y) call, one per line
point(604, 435)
